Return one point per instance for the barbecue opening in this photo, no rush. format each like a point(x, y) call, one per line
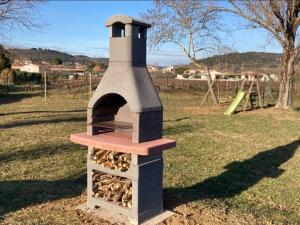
point(112, 114)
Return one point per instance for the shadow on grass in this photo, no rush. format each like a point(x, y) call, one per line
point(17, 194)
point(16, 97)
point(177, 120)
point(178, 129)
point(267, 106)
point(38, 122)
point(239, 177)
point(41, 111)
point(38, 152)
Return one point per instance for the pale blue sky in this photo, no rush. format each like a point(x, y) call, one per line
point(77, 27)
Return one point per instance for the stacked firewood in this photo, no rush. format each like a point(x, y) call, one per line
point(112, 160)
point(112, 188)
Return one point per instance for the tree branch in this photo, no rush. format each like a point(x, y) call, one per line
point(278, 15)
point(239, 12)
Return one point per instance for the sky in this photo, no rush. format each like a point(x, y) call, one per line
point(77, 27)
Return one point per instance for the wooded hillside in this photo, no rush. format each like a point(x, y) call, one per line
point(37, 55)
point(236, 62)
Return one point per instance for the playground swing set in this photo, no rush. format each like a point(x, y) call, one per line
point(251, 97)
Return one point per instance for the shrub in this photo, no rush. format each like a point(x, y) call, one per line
point(4, 59)
point(180, 70)
point(186, 75)
point(56, 61)
point(21, 77)
point(197, 76)
point(6, 77)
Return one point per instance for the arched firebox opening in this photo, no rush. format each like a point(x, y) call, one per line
point(111, 113)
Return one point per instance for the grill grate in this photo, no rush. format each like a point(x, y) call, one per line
point(113, 126)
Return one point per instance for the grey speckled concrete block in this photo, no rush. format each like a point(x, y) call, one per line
point(115, 217)
point(146, 174)
point(126, 92)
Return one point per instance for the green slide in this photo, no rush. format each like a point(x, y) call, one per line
point(231, 109)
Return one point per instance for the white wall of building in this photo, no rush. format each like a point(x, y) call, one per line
point(30, 68)
point(168, 69)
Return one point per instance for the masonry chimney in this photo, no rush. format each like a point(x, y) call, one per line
point(126, 96)
point(127, 42)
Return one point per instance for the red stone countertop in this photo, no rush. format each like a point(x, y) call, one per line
point(121, 143)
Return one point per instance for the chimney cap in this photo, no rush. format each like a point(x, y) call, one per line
point(125, 20)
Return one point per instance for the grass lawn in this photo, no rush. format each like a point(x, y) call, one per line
point(241, 169)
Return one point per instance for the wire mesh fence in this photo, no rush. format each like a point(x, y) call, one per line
point(224, 89)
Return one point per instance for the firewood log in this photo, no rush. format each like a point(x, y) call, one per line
point(118, 196)
point(129, 204)
point(112, 188)
point(112, 160)
point(99, 152)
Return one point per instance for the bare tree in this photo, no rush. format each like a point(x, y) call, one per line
point(281, 19)
point(191, 25)
point(19, 14)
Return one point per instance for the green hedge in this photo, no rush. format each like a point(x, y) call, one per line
point(21, 77)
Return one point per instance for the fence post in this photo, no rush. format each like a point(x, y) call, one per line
point(90, 90)
point(45, 85)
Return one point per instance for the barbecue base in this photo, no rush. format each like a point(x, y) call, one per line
point(114, 217)
point(146, 175)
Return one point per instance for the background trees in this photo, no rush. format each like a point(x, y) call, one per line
point(6, 74)
point(4, 61)
point(15, 14)
point(191, 25)
point(18, 14)
point(56, 61)
point(195, 27)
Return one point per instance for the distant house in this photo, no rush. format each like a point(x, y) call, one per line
point(30, 68)
point(179, 77)
point(152, 69)
point(216, 74)
point(98, 69)
point(231, 77)
point(264, 77)
point(22, 62)
point(248, 75)
point(45, 63)
point(67, 69)
point(18, 64)
point(73, 76)
point(192, 72)
point(201, 74)
point(15, 66)
point(274, 77)
point(79, 66)
point(168, 69)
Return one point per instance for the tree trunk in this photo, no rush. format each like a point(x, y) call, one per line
point(211, 89)
point(285, 98)
point(209, 81)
